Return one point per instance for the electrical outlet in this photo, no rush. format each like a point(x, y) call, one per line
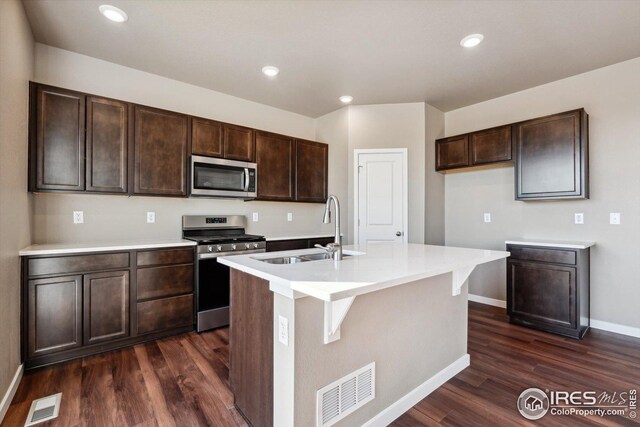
point(255, 217)
point(289, 216)
point(614, 218)
point(151, 217)
point(579, 218)
point(283, 330)
point(78, 217)
point(487, 217)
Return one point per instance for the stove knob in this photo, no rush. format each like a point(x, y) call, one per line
point(247, 246)
point(233, 247)
point(255, 246)
point(219, 248)
point(210, 248)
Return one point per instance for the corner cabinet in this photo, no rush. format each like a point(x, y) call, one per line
point(552, 157)
point(82, 304)
point(548, 289)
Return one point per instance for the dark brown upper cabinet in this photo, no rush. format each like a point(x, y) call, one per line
point(312, 163)
point(275, 158)
point(107, 143)
point(57, 127)
point(206, 137)
point(239, 143)
point(452, 152)
point(161, 142)
point(490, 146)
point(552, 157)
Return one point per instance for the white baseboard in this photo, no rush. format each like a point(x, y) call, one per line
point(488, 301)
point(614, 327)
point(593, 323)
point(8, 397)
point(406, 402)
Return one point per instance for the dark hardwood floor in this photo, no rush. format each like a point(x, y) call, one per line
point(183, 380)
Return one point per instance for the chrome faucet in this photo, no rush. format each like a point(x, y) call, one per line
point(335, 248)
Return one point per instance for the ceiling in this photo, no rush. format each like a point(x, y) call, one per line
point(377, 51)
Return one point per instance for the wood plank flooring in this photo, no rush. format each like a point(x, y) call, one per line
point(184, 380)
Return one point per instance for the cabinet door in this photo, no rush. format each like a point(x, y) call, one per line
point(452, 152)
point(239, 143)
point(161, 151)
point(106, 306)
point(275, 157)
point(312, 160)
point(287, 245)
point(107, 145)
point(206, 138)
point(59, 139)
point(55, 314)
point(551, 157)
point(491, 145)
point(542, 293)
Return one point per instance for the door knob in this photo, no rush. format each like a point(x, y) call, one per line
point(399, 233)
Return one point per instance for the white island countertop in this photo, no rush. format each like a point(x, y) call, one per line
point(370, 268)
point(566, 244)
point(76, 248)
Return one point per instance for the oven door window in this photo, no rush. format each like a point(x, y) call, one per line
point(218, 177)
point(213, 285)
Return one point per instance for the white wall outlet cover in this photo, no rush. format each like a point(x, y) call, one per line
point(487, 217)
point(578, 218)
point(78, 217)
point(255, 217)
point(283, 330)
point(614, 218)
point(151, 217)
point(289, 216)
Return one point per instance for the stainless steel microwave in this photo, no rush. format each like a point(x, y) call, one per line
point(211, 177)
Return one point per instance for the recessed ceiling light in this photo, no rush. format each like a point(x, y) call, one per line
point(113, 13)
point(345, 99)
point(471, 40)
point(270, 71)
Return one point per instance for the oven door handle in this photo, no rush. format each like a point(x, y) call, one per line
point(246, 179)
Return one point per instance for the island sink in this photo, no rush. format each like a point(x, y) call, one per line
point(298, 258)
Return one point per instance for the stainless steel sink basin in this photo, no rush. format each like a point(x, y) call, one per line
point(299, 258)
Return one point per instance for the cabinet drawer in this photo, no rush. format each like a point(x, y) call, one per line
point(165, 257)
point(77, 263)
point(287, 245)
point(166, 313)
point(557, 256)
point(159, 282)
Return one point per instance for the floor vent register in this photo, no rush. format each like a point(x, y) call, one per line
point(44, 409)
point(340, 398)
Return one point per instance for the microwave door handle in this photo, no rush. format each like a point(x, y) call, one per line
point(246, 179)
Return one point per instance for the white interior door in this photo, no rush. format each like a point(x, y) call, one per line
point(381, 196)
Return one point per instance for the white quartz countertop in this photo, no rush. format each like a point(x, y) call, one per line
point(371, 268)
point(567, 244)
point(73, 248)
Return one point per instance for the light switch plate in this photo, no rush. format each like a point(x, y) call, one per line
point(255, 217)
point(78, 217)
point(614, 218)
point(289, 216)
point(578, 218)
point(487, 217)
point(151, 217)
point(283, 330)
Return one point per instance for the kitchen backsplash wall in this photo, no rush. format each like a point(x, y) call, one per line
point(610, 95)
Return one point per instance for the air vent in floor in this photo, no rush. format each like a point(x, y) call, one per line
point(340, 398)
point(44, 409)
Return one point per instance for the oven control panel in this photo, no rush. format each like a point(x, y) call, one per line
point(237, 248)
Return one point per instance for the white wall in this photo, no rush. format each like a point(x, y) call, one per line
point(611, 96)
point(434, 184)
point(16, 68)
point(116, 218)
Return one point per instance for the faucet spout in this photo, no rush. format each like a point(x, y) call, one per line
point(337, 253)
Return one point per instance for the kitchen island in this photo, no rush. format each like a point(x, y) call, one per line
point(351, 342)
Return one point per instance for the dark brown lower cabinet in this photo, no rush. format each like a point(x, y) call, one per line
point(548, 289)
point(251, 331)
point(77, 305)
point(293, 244)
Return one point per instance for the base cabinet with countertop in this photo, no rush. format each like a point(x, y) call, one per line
point(85, 303)
point(548, 287)
point(293, 244)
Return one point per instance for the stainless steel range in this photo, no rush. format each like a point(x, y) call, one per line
point(217, 235)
